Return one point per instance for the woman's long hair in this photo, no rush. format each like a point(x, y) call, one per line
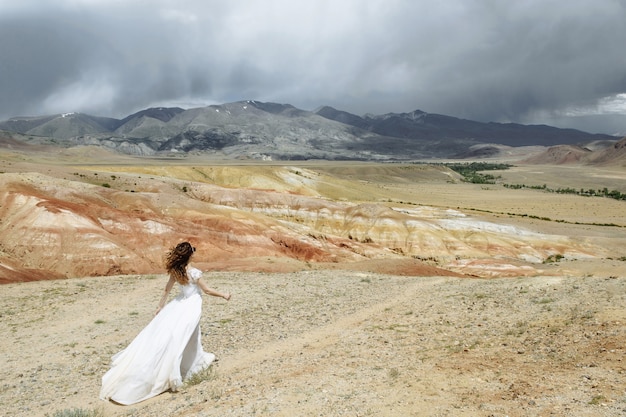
point(177, 260)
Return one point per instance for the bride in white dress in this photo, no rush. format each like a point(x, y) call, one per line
point(168, 349)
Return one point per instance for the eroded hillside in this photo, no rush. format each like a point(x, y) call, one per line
point(66, 220)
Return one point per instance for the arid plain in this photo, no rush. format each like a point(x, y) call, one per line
point(359, 288)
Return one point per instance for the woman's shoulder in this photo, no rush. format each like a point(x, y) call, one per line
point(194, 273)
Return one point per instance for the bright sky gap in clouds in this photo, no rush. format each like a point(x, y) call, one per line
point(531, 61)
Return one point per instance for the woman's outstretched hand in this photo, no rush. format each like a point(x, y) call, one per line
point(226, 296)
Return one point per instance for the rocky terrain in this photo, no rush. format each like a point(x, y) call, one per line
point(334, 343)
point(359, 288)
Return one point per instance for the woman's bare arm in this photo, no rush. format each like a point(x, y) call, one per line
point(210, 291)
point(166, 292)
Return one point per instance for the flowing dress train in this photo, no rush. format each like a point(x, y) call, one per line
point(165, 353)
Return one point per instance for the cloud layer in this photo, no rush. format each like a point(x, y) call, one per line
point(526, 61)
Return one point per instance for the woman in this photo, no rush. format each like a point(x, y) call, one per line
point(168, 349)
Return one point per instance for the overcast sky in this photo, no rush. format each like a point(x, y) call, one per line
point(560, 62)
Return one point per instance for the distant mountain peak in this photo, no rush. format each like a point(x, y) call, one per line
point(256, 129)
point(274, 108)
point(414, 115)
point(163, 114)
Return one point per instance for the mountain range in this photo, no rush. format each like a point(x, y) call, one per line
point(259, 130)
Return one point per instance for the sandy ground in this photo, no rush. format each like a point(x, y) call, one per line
point(321, 342)
point(333, 343)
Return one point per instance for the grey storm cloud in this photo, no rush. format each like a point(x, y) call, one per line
point(489, 60)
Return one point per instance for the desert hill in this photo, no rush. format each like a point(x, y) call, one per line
point(560, 154)
point(613, 153)
point(84, 212)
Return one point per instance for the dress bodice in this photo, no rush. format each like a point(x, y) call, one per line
point(191, 287)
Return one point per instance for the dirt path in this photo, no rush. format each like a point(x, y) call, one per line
point(333, 343)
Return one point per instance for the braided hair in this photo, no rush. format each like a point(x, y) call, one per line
point(177, 260)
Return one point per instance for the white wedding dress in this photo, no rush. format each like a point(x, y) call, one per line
point(164, 353)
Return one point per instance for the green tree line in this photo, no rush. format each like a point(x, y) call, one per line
point(604, 192)
point(470, 173)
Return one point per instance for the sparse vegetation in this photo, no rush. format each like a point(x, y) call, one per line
point(519, 329)
point(553, 258)
point(393, 373)
point(77, 412)
point(597, 399)
point(545, 300)
point(532, 216)
point(205, 374)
